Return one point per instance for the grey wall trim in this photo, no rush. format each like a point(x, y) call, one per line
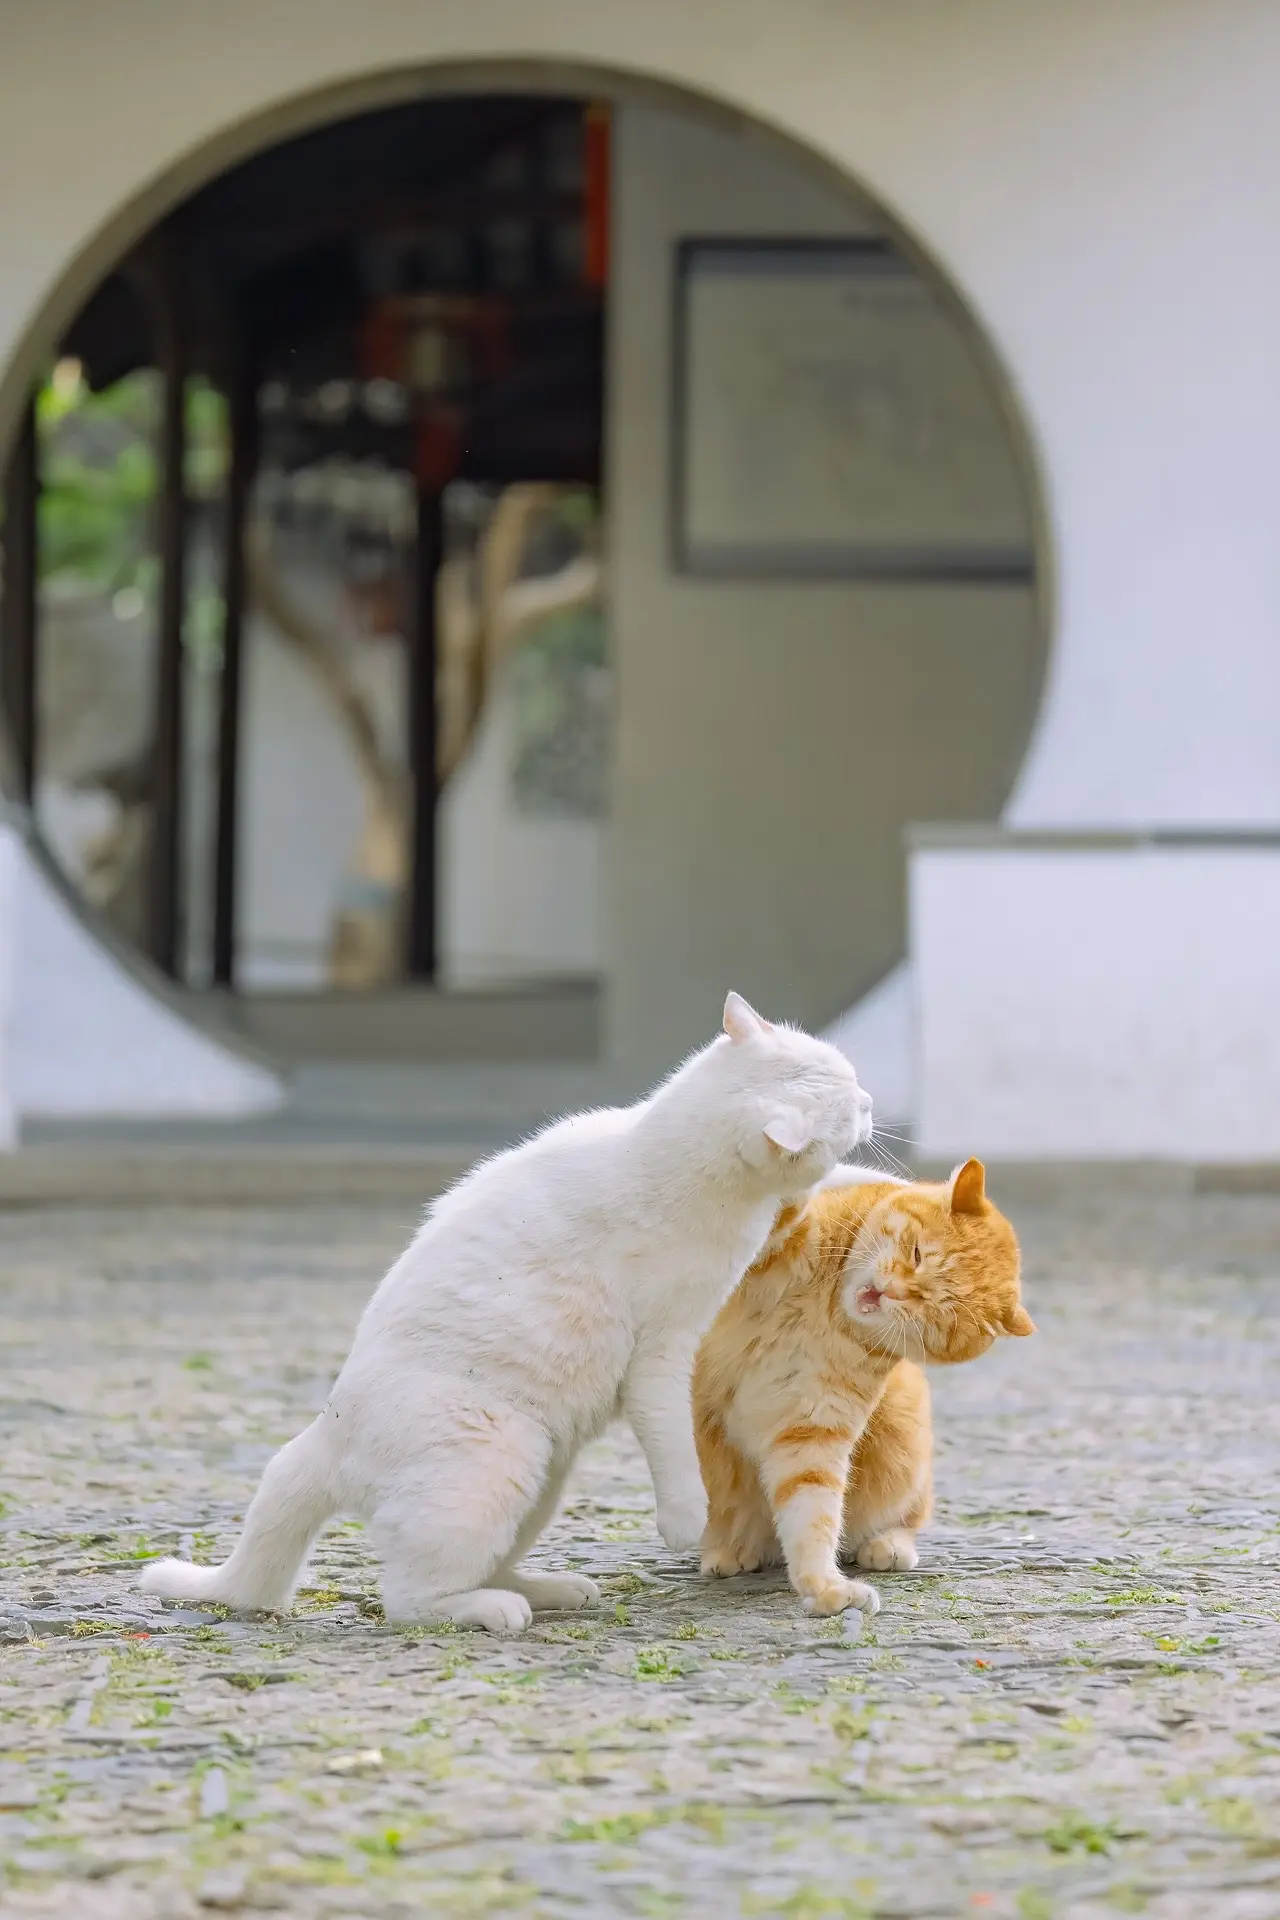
point(1035, 1182)
point(945, 838)
point(421, 1024)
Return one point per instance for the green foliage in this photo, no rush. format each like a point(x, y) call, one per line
point(100, 475)
point(617, 1829)
point(382, 1846)
point(852, 1723)
point(562, 716)
point(1034, 1904)
point(655, 1663)
point(1071, 1834)
point(578, 509)
point(1170, 1643)
point(98, 479)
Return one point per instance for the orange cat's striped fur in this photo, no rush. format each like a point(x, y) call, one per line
point(812, 1420)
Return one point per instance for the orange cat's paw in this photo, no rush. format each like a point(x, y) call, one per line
point(724, 1559)
point(721, 1562)
point(893, 1552)
point(833, 1596)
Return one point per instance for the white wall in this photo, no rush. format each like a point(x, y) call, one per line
point(1101, 181)
point(80, 1036)
point(1099, 1002)
point(775, 737)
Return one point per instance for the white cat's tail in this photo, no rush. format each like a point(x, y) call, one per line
point(297, 1494)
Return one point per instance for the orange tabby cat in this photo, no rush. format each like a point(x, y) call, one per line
point(812, 1422)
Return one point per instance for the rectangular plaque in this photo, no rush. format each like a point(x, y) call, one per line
point(832, 417)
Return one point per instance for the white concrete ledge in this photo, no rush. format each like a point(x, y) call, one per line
point(877, 1035)
point(1097, 996)
point(86, 1033)
point(240, 1174)
point(8, 957)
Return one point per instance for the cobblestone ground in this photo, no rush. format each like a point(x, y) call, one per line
point(1072, 1709)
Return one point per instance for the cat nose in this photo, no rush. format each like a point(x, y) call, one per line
point(864, 1100)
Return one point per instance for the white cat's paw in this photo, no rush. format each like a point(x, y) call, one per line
point(547, 1591)
point(493, 1608)
point(889, 1553)
point(833, 1596)
point(681, 1522)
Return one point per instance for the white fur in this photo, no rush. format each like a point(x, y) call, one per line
point(850, 1176)
point(560, 1284)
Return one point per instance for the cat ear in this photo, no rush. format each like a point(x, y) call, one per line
point(788, 1130)
point(968, 1189)
point(1018, 1322)
point(742, 1022)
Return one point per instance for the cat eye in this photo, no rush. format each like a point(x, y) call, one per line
point(915, 1255)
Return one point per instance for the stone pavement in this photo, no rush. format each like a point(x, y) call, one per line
point(1072, 1709)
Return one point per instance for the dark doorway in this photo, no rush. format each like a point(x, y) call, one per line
point(365, 358)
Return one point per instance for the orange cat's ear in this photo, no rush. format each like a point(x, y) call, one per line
point(968, 1190)
point(1018, 1322)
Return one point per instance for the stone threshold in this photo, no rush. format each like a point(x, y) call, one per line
point(341, 1172)
point(1064, 1179)
point(232, 1175)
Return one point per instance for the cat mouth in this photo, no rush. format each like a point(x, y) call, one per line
point(867, 1299)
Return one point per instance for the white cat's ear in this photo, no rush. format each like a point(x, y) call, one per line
point(968, 1188)
point(741, 1021)
point(788, 1130)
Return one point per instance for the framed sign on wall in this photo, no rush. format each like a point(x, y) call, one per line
point(832, 418)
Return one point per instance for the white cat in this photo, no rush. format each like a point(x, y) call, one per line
point(557, 1286)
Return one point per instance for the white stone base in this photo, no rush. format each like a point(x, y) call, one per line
point(81, 1034)
point(878, 1036)
point(1097, 997)
point(8, 918)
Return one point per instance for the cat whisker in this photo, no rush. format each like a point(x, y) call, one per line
point(899, 1327)
point(914, 1327)
point(966, 1317)
point(886, 1341)
point(862, 1247)
point(876, 1143)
